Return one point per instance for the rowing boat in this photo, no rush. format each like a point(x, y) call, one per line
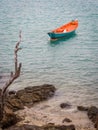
point(65, 30)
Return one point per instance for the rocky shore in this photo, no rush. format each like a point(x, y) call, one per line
point(19, 103)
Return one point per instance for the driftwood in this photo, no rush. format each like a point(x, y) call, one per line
point(13, 76)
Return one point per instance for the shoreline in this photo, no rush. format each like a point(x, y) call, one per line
point(36, 106)
point(42, 114)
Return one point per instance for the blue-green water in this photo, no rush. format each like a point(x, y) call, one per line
point(69, 64)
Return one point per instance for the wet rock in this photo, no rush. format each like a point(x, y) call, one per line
point(51, 124)
point(14, 103)
point(46, 127)
point(96, 123)
point(35, 94)
point(28, 96)
point(9, 118)
point(12, 92)
point(0, 91)
point(0, 97)
point(92, 113)
point(58, 127)
point(65, 105)
point(66, 120)
point(24, 127)
point(82, 108)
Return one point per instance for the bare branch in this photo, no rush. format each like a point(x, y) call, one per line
point(16, 51)
point(13, 76)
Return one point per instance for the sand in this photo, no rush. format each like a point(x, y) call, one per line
point(47, 112)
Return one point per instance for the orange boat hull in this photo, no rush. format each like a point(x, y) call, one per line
point(64, 30)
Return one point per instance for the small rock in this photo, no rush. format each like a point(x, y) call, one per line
point(65, 105)
point(12, 92)
point(66, 120)
point(82, 108)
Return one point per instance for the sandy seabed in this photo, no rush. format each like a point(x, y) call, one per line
point(45, 112)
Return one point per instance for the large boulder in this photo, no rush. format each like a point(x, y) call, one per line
point(28, 96)
point(17, 100)
point(34, 94)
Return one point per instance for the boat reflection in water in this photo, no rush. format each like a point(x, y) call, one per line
point(63, 39)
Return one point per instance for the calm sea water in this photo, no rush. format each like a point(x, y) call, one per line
point(69, 64)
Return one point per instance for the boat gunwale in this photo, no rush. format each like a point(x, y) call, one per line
point(63, 32)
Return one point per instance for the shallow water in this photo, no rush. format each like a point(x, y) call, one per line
point(70, 64)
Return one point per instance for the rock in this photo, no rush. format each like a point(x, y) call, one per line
point(24, 127)
point(14, 103)
point(9, 118)
point(58, 127)
point(0, 91)
point(12, 92)
point(65, 105)
point(20, 93)
point(66, 120)
point(8, 110)
point(51, 124)
point(96, 122)
point(0, 95)
point(92, 113)
point(82, 108)
point(35, 94)
point(46, 127)
point(28, 96)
